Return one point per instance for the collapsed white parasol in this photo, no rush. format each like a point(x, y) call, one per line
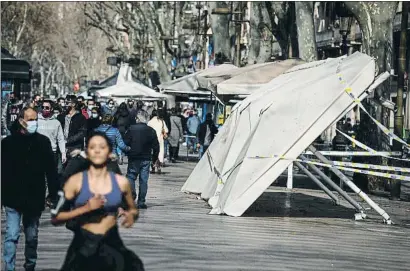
point(250, 78)
point(279, 120)
point(199, 82)
point(127, 88)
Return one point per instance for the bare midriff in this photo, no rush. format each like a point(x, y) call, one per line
point(101, 227)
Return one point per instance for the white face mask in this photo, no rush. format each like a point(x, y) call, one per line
point(91, 106)
point(32, 126)
point(110, 105)
point(94, 115)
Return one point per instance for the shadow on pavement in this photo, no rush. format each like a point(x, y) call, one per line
point(285, 204)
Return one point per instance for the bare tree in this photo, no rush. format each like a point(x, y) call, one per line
point(55, 39)
point(306, 31)
point(260, 44)
point(283, 27)
point(398, 124)
point(376, 24)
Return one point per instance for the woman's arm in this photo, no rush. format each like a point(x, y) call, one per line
point(120, 141)
point(64, 216)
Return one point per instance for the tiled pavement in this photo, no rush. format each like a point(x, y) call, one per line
point(281, 231)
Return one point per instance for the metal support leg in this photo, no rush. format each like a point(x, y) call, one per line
point(289, 184)
point(319, 183)
point(352, 186)
point(325, 178)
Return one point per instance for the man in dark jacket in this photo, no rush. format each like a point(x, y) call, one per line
point(206, 133)
point(144, 145)
point(139, 109)
point(74, 127)
point(27, 160)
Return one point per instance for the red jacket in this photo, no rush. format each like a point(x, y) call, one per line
point(84, 112)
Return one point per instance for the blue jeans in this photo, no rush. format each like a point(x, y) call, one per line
point(30, 225)
point(141, 169)
point(166, 144)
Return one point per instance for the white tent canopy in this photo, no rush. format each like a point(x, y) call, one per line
point(127, 88)
point(193, 83)
point(254, 77)
point(228, 79)
point(279, 120)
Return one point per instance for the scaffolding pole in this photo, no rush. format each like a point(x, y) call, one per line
point(319, 183)
point(352, 186)
point(346, 196)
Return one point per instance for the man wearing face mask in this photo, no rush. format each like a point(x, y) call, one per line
point(61, 102)
point(90, 106)
point(94, 121)
point(49, 126)
point(30, 161)
point(109, 108)
point(74, 127)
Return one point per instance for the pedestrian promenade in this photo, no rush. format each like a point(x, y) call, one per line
point(281, 231)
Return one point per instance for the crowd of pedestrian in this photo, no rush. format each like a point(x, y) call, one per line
point(75, 145)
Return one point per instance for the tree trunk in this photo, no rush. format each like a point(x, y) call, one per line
point(306, 31)
point(155, 35)
point(42, 80)
point(15, 51)
point(398, 121)
point(47, 81)
point(376, 23)
point(220, 30)
point(260, 37)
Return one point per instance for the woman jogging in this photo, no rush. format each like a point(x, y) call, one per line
point(92, 201)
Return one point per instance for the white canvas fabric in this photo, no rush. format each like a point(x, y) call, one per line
point(283, 119)
point(127, 88)
point(193, 83)
point(131, 90)
point(255, 77)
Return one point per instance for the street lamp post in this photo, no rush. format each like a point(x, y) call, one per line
point(345, 26)
point(346, 19)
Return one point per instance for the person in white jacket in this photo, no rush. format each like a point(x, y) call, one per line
point(158, 124)
point(49, 126)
